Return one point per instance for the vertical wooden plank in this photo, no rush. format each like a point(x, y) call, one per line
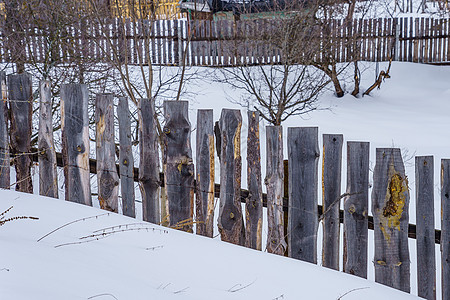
point(303, 156)
point(230, 221)
point(405, 41)
point(331, 193)
point(364, 40)
point(169, 42)
point(192, 31)
point(107, 178)
point(149, 181)
point(356, 207)
point(48, 176)
point(176, 42)
point(204, 200)
point(75, 136)
point(379, 39)
point(253, 203)
point(411, 42)
point(21, 105)
point(369, 40)
point(178, 165)
point(274, 181)
point(390, 204)
point(426, 263)
point(427, 40)
point(445, 227)
point(4, 135)
point(421, 40)
point(416, 41)
point(163, 40)
point(432, 40)
point(126, 160)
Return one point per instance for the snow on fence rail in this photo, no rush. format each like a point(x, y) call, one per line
point(227, 43)
point(291, 201)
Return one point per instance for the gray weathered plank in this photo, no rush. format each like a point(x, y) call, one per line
point(126, 160)
point(230, 221)
point(149, 181)
point(426, 263)
point(204, 201)
point(445, 228)
point(390, 203)
point(4, 136)
point(331, 192)
point(253, 203)
point(75, 142)
point(21, 106)
point(48, 176)
point(303, 155)
point(274, 181)
point(356, 207)
point(107, 178)
point(178, 165)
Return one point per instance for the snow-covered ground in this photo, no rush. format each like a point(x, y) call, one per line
point(409, 112)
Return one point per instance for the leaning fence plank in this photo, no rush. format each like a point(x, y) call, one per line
point(303, 153)
point(149, 181)
point(445, 227)
point(204, 200)
point(126, 160)
point(178, 165)
point(230, 221)
point(107, 178)
point(48, 176)
point(356, 207)
point(331, 193)
point(274, 180)
point(4, 136)
point(390, 203)
point(426, 263)
point(253, 203)
point(21, 105)
point(75, 144)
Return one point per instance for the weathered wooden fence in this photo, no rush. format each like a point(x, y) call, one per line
point(229, 43)
point(390, 194)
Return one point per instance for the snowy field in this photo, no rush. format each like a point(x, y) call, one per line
point(150, 262)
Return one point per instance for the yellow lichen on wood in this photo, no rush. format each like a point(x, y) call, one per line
point(100, 129)
point(395, 200)
point(259, 235)
point(237, 141)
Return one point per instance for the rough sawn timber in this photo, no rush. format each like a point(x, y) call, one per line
point(4, 135)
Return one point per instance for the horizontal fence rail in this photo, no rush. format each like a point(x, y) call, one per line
point(228, 43)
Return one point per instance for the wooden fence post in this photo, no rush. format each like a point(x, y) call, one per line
point(75, 142)
point(107, 178)
point(230, 221)
point(178, 165)
point(4, 136)
point(205, 173)
point(253, 203)
point(445, 227)
point(274, 181)
point(356, 207)
point(426, 263)
point(303, 156)
point(331, 193)
point(48, 176)
point(126, 160)
point(390, 204)
point(149, 181)
point(21, 105)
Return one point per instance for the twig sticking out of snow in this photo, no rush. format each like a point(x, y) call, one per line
point(101, 295)
point(361, 288)
point(75, 221)
point(237, 287)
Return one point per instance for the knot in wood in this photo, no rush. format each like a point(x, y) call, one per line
point(352, 209)
point(166, 130)
point(231, 215)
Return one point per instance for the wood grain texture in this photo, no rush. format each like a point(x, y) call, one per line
point(204, 201)
point(356, 208)
point(274, 181)
point(253, 203)
point(107, 178)
point(230, 221)
point(445, 228)
point(178, 165)
point(303, 156)
point(149, 180)
point(390, 204)
point(48, 176)
point(331, 192)
point(126, 160)
point(426, 262)
point(21, 106)
point(4, 135)
point(75, 144)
